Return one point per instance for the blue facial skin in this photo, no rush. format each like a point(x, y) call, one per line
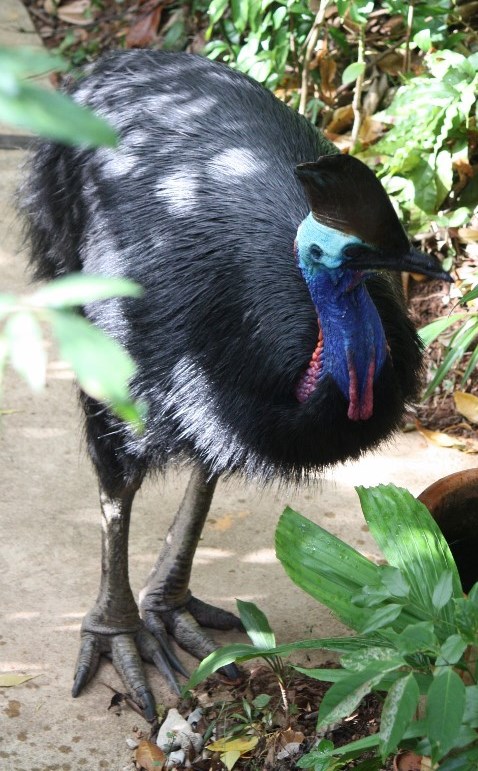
point(351, 327)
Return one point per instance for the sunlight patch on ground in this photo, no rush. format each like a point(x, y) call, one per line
point(261, 557)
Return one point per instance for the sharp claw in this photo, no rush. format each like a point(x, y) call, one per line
point(188, 634)
point(158, 630)
point(145, 699)
point(81, 678)
point(87, 663)
point(155, 651)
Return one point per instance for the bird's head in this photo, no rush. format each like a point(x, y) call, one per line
point(352, 224)
point(352, 229)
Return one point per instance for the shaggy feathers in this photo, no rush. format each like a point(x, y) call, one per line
point(200, 205)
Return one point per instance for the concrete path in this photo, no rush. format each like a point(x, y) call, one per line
point(50, 541)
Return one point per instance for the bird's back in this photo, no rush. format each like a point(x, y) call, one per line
point(200, 205)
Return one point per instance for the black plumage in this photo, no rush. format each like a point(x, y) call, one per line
point(200, 204)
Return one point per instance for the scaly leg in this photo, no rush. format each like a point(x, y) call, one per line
point(113, 626)
point(166, 600)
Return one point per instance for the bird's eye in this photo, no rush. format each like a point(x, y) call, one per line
point(315, 253)
point(358, 251)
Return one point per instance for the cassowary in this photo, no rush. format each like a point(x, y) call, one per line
point(270, 338)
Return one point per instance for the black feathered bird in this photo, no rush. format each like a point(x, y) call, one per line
point(265, 341)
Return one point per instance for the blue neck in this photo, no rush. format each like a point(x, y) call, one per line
point(354, 344)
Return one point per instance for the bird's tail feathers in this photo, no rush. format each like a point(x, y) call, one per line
point(51, 202)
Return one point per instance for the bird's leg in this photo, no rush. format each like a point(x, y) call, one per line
point(113, 626)
point(166, 599)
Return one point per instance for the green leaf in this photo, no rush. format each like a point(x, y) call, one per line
point(423, 40)
point(7, 304)
point(102, 367)
point(443, 591)
point(54, 115)
point(80, 289)
point(383, 616)
point(445, 709)
point(467, 760)
point(417, 638)
point(358, 660)
point(324, 566)
point(431, 331)
point(397, 713)
point(220, 658)
point(451, 650)
point(470, 715)
point(411, 541)
point(261, 700)
point(217, 9)
point(352, 72)
point(256, 625)
point(25, 62)
point(459, 344)
point(344, 696)
point(25, 346)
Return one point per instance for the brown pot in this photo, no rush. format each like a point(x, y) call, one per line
point(409, 761)
point(453, 502)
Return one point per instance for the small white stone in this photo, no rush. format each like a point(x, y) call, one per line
point(176, 759)
point(132, 743)
point(176, 733)
point(290, 749)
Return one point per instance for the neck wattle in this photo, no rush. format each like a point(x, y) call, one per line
point(351, 346)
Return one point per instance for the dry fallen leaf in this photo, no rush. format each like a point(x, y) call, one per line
point(232, 749)
point(467, 405)
point(342, 119)
point(149, 756)
point(439, 437)
point(9, 679)
point(144, 30)
point(75, 12)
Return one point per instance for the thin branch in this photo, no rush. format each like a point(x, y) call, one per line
point(357, 100)
point(312, 38)
point(408, 34)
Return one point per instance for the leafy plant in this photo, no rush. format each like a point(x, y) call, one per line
point(431, 117)
point(462, 343)
point(103, 369)
point(418, 635)
point(258, 37)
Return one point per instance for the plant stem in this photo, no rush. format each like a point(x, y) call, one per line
point(357, 100)
point(408, 34)
point(313, 36)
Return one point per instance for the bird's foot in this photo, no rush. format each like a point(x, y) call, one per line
point(184, 623)
point(126, 647)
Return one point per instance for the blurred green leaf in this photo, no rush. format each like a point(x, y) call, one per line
point(54, 115)
point(81, 289)
point(431, 331)
point(102, 367)
point(26, 349)
point(352, 72)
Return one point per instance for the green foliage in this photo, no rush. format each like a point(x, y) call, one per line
point(429, 117)
point(417, 638)
point(48, 113)
point(463, 341)
point(258, 37)
point(103, 369)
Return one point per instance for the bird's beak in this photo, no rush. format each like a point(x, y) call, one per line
point(412, 262)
